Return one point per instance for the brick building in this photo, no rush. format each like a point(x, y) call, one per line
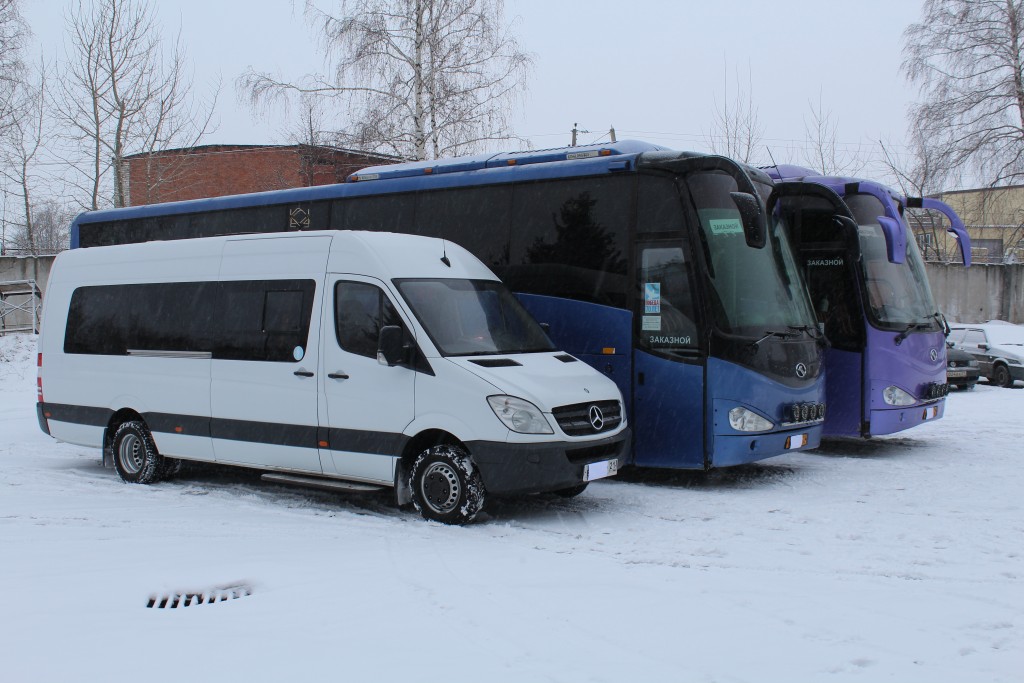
point(218, 170)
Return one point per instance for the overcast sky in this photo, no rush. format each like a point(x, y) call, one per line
point(656, 70)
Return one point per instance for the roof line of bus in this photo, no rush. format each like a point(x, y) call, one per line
point(502, 167)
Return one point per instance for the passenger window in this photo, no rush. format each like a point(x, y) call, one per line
point(360, 310)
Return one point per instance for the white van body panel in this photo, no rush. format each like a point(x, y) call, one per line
point(244, 392)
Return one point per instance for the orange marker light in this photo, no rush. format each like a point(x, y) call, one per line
point(428, 171)
point(608, 350)
point(605, 152)
point(511, 162)
point(178, 430)
point(324, 444)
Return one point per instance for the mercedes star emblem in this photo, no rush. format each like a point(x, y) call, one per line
point(596, 418)
point(801, 370)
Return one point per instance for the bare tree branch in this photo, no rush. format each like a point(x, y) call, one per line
point(413, 78)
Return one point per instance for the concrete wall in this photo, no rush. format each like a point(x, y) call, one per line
point(979, 293)
point(21, 268)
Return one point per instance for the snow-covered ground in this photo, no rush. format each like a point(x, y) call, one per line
point(898, 559)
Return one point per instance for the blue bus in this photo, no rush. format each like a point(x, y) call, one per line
point(662, 269)
point(886, 363)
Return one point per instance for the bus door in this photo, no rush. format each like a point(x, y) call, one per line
point(824, 235)
point(668, 365)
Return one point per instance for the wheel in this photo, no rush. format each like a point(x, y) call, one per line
point(135, 456)
point(445, 485)
point(1001, 376)
point(572, 491)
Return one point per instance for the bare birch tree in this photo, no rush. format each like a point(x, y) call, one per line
point(12, 38)
point(20, 145)
point(122, 94)
point(736, 129)
point(967, 59)
point(824, 152)
point(417, 79)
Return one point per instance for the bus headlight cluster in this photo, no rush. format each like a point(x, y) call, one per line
point(895, 396)
point(743, 420)
point(519, 415)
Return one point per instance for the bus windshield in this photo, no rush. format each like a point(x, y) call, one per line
point(753, 291)
point(897, 293)
point(473, 317)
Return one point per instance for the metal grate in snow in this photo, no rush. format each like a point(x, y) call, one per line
point(206, 597)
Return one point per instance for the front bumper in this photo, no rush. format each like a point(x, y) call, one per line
point(892, 420)
point(511, 468)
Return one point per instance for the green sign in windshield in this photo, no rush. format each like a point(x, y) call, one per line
point(725, 226)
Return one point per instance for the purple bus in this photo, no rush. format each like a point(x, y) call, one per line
point(886, 363)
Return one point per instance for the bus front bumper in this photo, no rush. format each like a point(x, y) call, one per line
point(740, 449)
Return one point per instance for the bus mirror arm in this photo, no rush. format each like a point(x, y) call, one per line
point(752, 215)
point(895, 239)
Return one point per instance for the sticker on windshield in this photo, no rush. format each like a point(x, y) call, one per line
point(651, 323)
point(652, 297)
point(725, 226)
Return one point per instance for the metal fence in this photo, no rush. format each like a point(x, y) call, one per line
point(20, 304)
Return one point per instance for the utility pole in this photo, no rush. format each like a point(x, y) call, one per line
point(574, 134)
point(611, 133)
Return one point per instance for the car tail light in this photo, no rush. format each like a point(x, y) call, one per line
point(39, 378)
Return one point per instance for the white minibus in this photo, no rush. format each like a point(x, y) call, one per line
point(337, 359)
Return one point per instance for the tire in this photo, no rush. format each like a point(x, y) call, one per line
point(572, 491)
point(445, 485)
point(1001, 376)
point(135, 456)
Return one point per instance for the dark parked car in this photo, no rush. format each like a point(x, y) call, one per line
point(998, 347)
point(961, 368)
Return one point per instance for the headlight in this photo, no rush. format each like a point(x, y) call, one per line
point(743, 420)
point(519, 415)
point(1013, 361)
point(895, 396)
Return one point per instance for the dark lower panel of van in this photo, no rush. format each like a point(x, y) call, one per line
point(511, 468)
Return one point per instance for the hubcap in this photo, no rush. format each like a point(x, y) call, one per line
point(441, 488)
point(130, 454)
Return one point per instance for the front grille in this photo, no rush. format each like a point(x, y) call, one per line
point(578, 420)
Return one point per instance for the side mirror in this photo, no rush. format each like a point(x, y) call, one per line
point(983, 346)
point(752, 216)
point(391, 349)
point(895, 239)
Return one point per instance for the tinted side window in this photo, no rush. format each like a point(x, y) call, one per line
point(659, 207)
point(250, 320)
point(360, 310)
point(666, 313)
point(569, 238)
point(476, 218)
point(263, 319)
point(384, 213)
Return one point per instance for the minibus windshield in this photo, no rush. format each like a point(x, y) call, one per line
point(473, 317)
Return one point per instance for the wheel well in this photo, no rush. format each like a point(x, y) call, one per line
point(116, 420)
point(415, 446)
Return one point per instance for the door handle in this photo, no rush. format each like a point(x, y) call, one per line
point(302, 373)
point(338, 375)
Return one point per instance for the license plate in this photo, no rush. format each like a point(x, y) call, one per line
point(796, 441)
point(956, 373)
point(931, 412)
point(600, 470)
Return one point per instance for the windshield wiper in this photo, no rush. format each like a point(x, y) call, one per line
point(910, 328)
point(772, 333)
